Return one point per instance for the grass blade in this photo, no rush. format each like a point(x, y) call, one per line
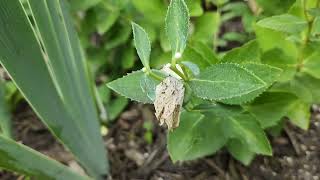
point(19, 158)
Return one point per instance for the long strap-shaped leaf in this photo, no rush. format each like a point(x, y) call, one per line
point(19, 158)
point(53, 77)
point(5, 122)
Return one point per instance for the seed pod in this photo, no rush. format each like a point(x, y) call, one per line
point(168, 102)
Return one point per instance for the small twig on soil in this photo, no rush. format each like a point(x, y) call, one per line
point(232, 170)
point(212, 164)
point(292, 140)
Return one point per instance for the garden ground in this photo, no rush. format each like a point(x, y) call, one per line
point(296, 152)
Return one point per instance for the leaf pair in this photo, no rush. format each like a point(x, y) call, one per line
point(177, 27)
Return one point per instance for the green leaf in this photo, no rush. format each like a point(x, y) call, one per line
point(197, 136)
point(235, 36)
point(312, 65)
point(240, 151)
point(83, 4)
point(246, 129)
point(309, 88)
point(148, 86)
point(277, 58)
point(105, 18)
point(57, 67)
point(118, 35)
point(164, 42)
point(128, 57)
point(266, 38)
point(130, 87)
point(206, 27)
point(226, 81)
point(152, 10)
point(116, 107)
point(219, 110)
point(142, 43)
point(314, 12)
point(5, 121)
point(271, 107)
point(284, 23)
point(275, 6)
point(177, 25)
point(200, 54)
point(195, 7)
point(299, 114)
point(249, 52)
point(19, 158)
point(266, 73)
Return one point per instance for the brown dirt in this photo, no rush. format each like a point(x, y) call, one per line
point(132, 157)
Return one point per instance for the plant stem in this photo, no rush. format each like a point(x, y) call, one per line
point(179, 73)
point(153, 75)
point(308, 34)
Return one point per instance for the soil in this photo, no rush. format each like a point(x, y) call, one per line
point(296, 152)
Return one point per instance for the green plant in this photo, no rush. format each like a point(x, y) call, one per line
point(45, 61)
point(229, 101)
point(5, 123)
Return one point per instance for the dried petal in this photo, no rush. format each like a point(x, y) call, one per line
point(168, 103)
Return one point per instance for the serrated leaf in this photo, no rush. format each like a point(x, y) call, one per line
point(142, 44)
point(284, 23)
point(177, 25)
point(130, 87)
point(250, 52)
point(266, 73)
point(311, 65)
point(148, 86)
point(240, 151)
point(277, 58)
point(225, 81)
point(271, 107)
point(19, 158)
point(197, 136)
point(246, 129)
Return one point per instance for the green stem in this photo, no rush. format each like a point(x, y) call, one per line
point(308, 34)
point(153, 75)
point(179, 73)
